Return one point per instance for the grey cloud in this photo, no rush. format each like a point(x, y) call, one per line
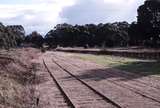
point(38, 23)
point(84, 11)
point(96, 11)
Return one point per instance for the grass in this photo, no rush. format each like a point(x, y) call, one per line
point(147, 67)
point(16, 89)
point(10, 92)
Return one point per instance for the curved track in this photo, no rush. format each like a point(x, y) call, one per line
point(68, 101)
point(95, 99)
point(133, 87)
point(127, 85)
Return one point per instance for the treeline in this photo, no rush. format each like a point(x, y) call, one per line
point(35, 39)
point(89, 35)
point(144, 32)
point(11, 36)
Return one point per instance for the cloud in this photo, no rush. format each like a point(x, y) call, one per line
point(101, 11)
point(42, 15)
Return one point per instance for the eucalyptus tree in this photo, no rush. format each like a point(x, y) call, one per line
point(89, 35)
point(135, 36)
point(149, 21)
point(35, 38)
point(17, 33)
point(11, 36)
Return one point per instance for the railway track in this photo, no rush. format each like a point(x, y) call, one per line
point(129, 87)
point(113, 74)
point(133, 85)
point(61, 95)
point(76, 92)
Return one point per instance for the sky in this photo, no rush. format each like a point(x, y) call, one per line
point(43, 15)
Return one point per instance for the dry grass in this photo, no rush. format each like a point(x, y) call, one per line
point(147, 67)
point(17, 78)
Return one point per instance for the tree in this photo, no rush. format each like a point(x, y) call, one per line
point(149, 21)
point(89, 35)
point(81, 36)
point(17, 32)
point(134, 32)
point(11, 36)
point(35, 38)
point(51, 39)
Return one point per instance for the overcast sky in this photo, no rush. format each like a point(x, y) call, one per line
point(43, 15)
